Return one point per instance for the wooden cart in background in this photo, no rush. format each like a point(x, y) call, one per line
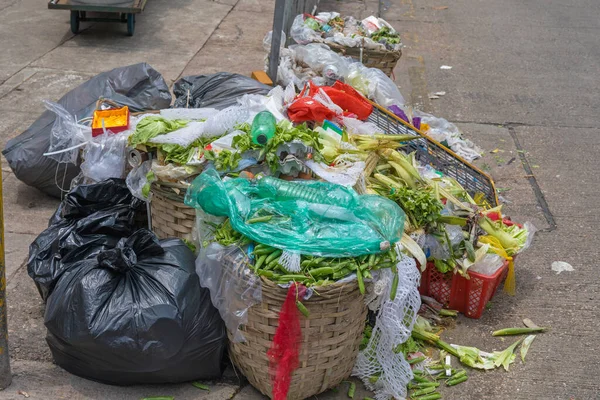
point(125, 12)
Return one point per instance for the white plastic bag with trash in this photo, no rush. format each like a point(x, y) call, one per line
point(441, 130)
point(375, 84)
point(105, 157)
point(302, 33)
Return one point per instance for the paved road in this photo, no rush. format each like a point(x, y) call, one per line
point(523, 81)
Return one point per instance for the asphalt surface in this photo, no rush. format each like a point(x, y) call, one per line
point(523, 84)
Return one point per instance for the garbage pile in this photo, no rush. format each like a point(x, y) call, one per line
point(332, 28)
point(289, 193)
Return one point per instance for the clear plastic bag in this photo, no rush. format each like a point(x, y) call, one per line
point(317, 56)
point(302, 33)
point(137, 180)
point(358, 127)
point(66, 136)
point(306, 217)
point(374, 84)
point(443, 131)
point(233, 286)
point(488, 265)
point(105, 157)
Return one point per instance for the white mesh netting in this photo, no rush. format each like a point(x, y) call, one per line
point(290, 261)
point(395, 321)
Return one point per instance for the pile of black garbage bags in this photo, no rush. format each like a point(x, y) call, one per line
point(122, 307)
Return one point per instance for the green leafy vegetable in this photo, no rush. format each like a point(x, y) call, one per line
point(152, 126)
point(525, 346)
point(225, 160)
point(285, 132)
point(226, 236)
point(420, 205)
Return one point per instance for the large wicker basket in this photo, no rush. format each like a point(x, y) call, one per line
point(384, 60)
point(331, 336)
point(170, 217)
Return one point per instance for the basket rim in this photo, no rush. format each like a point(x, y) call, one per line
point(365, 49)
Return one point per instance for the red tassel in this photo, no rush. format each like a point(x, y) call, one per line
point(285, 350)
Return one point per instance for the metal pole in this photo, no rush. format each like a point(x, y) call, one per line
point(5, 374)
point(276, 38)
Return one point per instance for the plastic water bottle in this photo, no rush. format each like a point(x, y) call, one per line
point(263, 127)
point(285, 190)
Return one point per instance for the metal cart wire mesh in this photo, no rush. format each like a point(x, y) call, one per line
point(430, 152)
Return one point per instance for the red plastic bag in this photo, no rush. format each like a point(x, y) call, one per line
point(306, 108)
point(349, 100)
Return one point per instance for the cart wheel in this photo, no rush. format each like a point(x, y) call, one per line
point(130, 24)
point(75, 22)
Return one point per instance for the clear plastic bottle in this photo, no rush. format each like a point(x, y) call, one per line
point(263, 127)
point(286, 190)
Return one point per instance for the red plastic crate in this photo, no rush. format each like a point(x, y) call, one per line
point(468, 296)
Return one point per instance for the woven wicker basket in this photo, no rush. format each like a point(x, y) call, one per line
point(170, 217)
point(384, 60)
point(331, 336)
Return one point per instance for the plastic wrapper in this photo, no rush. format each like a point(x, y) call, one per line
point(357, 127)
point(66, 135)
point(136, 314)
point(220, 90)
point(488, 265)
point(138, 86)
point(137, 180)
point(105, 157)
point(90, 219)
point(234, 287)
point(346, 174)
point(306, 217)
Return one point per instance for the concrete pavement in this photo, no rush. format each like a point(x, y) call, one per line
point(523, 81)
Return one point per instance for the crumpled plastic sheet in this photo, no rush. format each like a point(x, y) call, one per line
point(233, 286)
point(66, 134)
point(105, 157)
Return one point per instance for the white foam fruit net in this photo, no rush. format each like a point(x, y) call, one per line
point(394, 325)
point(290, 261)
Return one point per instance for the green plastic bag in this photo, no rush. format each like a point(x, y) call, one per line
point(306, 217)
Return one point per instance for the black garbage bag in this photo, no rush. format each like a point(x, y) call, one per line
point(91, 219)
point(219, 90)
point(136, 314)
point(138, 86)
